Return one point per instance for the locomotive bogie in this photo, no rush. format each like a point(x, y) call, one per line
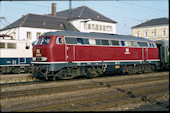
point(72, 54)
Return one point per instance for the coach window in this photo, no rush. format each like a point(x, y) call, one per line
point(11, 45)
point(105, 42)
point(92, 42)
point(98, 42)
point(115, 42)
point(2, 45)
point(59, 40)
point(70, 40)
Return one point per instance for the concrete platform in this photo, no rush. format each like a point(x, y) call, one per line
point(13, 78)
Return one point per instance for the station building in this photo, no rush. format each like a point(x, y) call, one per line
point(83, 19)
point(155, 29)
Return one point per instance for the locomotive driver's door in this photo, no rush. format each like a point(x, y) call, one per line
point(70, 53)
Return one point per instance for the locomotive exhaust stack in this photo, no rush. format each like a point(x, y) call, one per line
point(53, 9)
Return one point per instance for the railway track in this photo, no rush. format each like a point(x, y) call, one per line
point(91, 85)
point(112, 99)
point(118, 95)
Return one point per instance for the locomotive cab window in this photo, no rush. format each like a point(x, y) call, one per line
point(45, 40)
point(38, 41)
point(59, 40)
point(152, 45)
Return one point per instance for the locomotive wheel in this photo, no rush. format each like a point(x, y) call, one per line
point(132, 69)
point(91, 72)
point(147, 68)
point(152, 68)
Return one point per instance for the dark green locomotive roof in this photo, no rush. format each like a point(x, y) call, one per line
point(95, 35)
point(162, 42)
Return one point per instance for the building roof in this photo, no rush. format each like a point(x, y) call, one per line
point(84, 12)
point(153, 22)
point(41, 21)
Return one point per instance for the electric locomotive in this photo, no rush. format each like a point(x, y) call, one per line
point(15, 56)
point(70, 54)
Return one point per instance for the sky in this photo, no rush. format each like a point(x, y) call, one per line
point(127, 13)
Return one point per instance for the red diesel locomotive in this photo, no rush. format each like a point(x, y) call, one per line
point(70, 54)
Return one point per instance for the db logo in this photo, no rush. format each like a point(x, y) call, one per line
point(127, 51)
point(38, 50)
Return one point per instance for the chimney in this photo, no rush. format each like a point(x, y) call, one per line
point(53, 9)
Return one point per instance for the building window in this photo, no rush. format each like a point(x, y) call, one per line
point(38, 35)
point(96, 28)
point(154, 33)
point(146, 33)
point(85, 26)
point(101, 27)
point(29, 37)
point(137, 34)
point(104, 28)
point(111, 29)
point(89, 26)
point(163, 32)
point(14, 35)
point(92, 26)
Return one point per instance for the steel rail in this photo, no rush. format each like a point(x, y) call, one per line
point(99, 102)
point(94, 84)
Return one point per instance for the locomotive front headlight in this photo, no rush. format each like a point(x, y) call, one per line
point(43, 58)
